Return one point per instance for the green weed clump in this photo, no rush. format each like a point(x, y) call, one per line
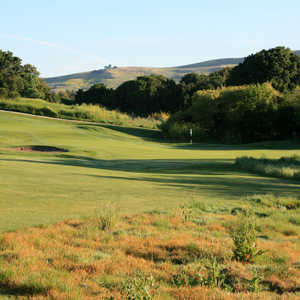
point(275, 202)
point(244, 239)
point(285, 167)
point(138, 287)
point(106, 216)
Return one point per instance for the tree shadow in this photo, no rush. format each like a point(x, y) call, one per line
point(21, 290)
point(155, 166)
point(146, 134)
point(219, 186)
point(219, 177)
point(272, 145)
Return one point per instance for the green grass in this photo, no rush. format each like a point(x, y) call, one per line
point(120, 164)
point(285, 167)
point(91, 113)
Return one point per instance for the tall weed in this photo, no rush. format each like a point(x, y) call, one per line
point(244, 238)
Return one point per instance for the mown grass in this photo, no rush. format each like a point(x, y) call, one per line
point(129, 166)
point(284, 167)
point(84, 112)
point(167, 254)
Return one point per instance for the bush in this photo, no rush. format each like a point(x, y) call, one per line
point(231, 114)
point(47, 111)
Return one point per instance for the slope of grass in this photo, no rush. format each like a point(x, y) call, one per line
point(93, 113)
point(114, 77)
point(114, 163)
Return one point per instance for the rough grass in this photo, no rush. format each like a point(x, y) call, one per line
point(284, 167)
point(84, 112)
point(155, 255)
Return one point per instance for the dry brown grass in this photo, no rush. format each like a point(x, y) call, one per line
point(75, 259)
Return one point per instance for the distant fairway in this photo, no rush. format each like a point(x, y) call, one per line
point(117, 164)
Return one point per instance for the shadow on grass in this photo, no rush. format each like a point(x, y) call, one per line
point(271, 145)
point(21, 290)
point(158, 166)
point(219, 177)
point(219, 186)
point(146, 134)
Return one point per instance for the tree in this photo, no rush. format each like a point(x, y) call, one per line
point(96, 94)
point(220, 78)
point(147, 95)
point(193, 82)
point(10, 68)
point(280, 66)
point(19, 80)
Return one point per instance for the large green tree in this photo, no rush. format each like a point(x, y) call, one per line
point(20, 80)
point(147, 95)
point(96, 94)
point(10, 68)
point(279, 66)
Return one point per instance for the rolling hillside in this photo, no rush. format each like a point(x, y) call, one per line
point(115, 76)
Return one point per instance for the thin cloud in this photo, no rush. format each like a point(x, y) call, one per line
point(57, 46)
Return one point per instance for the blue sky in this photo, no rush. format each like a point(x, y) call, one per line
point(68, 36)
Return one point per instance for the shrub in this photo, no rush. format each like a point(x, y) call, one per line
point(47, 111)
point(231, 114)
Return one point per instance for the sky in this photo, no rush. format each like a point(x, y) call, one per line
point(62, 37)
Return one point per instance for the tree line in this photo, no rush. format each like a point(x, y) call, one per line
point(155, 93)
point(240, 114)
point(254, 101)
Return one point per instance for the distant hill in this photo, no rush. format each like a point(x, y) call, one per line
point(115, 76)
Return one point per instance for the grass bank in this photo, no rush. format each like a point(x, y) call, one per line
point(83, 112)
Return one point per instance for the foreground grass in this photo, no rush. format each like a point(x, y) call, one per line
point(185, 253)
point(129, 166)
point(285, 167)
point(85, 112)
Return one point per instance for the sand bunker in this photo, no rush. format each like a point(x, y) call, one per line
point(38, 148)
